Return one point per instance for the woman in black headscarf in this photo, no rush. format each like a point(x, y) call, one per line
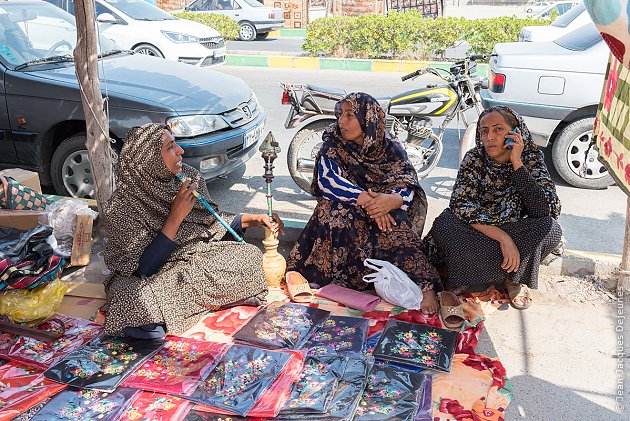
point(370, 205)
point(501, 221)
point(171, 260)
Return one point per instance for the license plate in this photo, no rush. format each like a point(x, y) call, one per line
point(253, 135)
point(220, 53)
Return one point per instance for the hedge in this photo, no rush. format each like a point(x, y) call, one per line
point(408, 35)
point(226, 26)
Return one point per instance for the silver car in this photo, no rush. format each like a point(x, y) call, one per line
point(556, 87)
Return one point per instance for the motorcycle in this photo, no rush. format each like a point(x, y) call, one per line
point(409, 112)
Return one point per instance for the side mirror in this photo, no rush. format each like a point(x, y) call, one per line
point(106, 18)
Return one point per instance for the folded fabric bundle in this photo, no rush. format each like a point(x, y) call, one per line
point(349, 297)
point(339, 335)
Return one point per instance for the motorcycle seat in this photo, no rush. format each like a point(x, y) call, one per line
point(325, 90)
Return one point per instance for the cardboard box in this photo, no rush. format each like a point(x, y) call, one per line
point(82, 244)
point(25, 177)
point(22, 220)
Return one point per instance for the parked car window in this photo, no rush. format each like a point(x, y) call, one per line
point(140, 10)
point(254, 3)
point(225, 5)
point(565, 20)
point(200, 5)
point(581, 39)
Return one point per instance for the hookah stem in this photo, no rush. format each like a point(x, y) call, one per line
point(269, 198)
point(214, 213)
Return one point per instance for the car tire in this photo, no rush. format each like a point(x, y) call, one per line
point(247, 31)
point(568, 155)
point(70, 168)
point(529, 10)
point(149, 50)
point(263, 35)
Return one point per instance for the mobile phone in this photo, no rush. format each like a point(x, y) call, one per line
point(510, 140)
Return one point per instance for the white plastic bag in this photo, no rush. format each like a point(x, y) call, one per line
point(393, 285)
point(61, 215)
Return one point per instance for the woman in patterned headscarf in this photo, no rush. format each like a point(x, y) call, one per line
point(370, 205)
point(501, 221)
point(170, 259)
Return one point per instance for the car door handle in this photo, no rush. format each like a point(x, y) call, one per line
point(237, 14)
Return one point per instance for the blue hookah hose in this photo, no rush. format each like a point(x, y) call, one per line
point(214, 213)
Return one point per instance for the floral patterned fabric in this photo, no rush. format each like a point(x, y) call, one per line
point(78, 404)
point(416, 345)
point(612, 18)
point(219, 326)
point(281, 325)
point(103, 363)
point(177, 367)
point(150, 406)
point(390, 394)
point(240, 379)
point(339, 237)
point(33, 352)
point(339, 335)
point(22, 388)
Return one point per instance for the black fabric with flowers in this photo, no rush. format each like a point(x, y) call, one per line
point(281, 325)
point(339, 335)
point(347, 395)
point(416, 345)
point(314, 391)
point(195, 415)
point(77, 404)
point(390, 394)
point(240, 379)
point(104, 362)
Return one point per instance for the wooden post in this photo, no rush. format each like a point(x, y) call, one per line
point(624, 278)
point(97, 126)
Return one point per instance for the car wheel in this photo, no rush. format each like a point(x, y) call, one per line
point(149, 50)
point(529, 10)
point(568, 155)
point(70, 168)
point(262, 36)
point(247, 32)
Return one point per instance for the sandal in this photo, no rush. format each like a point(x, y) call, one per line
point(298, 288)
point(518, 291)
point(451, 310)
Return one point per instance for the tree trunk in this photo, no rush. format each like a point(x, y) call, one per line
point(97, 126)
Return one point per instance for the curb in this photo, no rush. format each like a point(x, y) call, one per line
point(295, 33)
point(575, 263)
point(324, 63)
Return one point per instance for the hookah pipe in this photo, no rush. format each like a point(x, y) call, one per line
point(214, 213)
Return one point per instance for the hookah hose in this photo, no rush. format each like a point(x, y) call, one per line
point(214, 213)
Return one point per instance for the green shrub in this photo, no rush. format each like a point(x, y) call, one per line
point(226, 26)
point(407, 35)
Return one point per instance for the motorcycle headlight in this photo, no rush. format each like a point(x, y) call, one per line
point(195, 125)
point(180, 38)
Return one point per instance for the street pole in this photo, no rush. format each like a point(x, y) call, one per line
point(623, 283)
point(97, 126)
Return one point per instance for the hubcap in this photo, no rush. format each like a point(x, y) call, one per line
point(246, 32)
point(147, 51)
point(77, 175)
point(592, 168)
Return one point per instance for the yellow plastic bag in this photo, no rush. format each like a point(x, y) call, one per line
point(24, 306)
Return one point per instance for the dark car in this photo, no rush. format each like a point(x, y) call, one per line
point(216, 117)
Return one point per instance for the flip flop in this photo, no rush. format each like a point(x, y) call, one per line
point(517, 291)
point(298, 288)
point(451, 310)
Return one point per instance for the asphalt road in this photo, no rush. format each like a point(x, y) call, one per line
point(593, 220)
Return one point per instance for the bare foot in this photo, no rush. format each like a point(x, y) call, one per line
point(429, 304)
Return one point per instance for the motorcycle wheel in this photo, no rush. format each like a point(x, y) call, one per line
point(303, 150)
point(424, 154)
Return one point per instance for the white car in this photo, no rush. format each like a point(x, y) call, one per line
point(573, 19)
point(139, 26)
point(556, 86)
point(255, 20)
point(559, 7)
point(536, 7)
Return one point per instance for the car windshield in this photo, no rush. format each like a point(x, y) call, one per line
point(38, 33)
point(253, 3)
point(140, 10)
point(581, 39)
point(564, 20)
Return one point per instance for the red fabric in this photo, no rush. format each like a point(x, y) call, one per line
point(22, 388)
point(177, 367)
point(156, 407)
point(481, 363)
